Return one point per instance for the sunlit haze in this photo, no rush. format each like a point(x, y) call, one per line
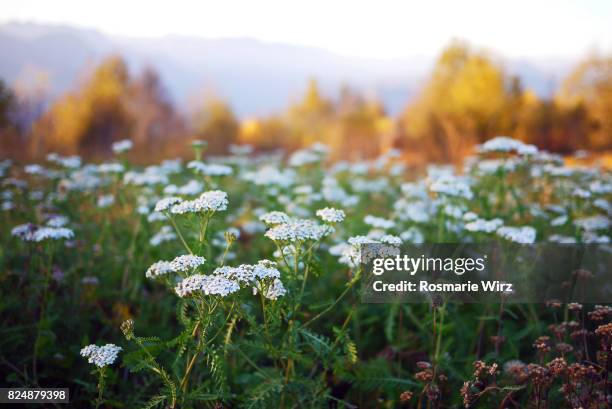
point(380, 29)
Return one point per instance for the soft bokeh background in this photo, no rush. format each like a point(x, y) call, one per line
point(431, 78)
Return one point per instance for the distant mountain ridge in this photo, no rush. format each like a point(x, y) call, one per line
point(255, 77)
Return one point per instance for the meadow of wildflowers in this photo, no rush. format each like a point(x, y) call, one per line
point(234, 281)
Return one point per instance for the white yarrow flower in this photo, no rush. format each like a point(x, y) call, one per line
point(159, 268)
point(378, 222)
point(105, 201)
point(122, 146)
point(166, 203)
point(207, 285)
point(298, 230)
point(485, 226)
point(186, 262)
point(101, 356)
point(331, 215)
point(523, 235)
point(211, 201)
point(274, 217)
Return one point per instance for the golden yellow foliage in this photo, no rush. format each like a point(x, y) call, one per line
point(92, 116)
point(590, 86)
point(462, 103)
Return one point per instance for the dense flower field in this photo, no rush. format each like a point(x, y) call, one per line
point(234, 281)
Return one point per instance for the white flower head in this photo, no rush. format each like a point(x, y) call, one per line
point(165, 234)
point(272, 291)
point(523, 235)
point(454, 186)
point(159, 268)
point(593, 223)
point(186, 262)
point(485, 226)
point(211, 169)
point(274, 217)
point(378, 222)
point(390, 239)
point(507, 144)
point(31, 232)
point(331, 215)
point(112, 167)
point(207, 285)
point(53, 233)
point(57, 221)
point(298, 230)
point(122, 146)
point(166, 203)
point(211, 201)
point(214, 169)
point(105, 201)
point(101, 356)
point(249, 273)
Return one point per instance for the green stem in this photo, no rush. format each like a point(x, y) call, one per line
point(178, 231)
point(101, 385)
point(43, 311)
point(325, 311)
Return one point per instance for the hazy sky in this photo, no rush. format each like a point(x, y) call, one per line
point(380, 28)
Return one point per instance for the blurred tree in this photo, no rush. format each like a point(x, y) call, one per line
point(362, 125)
point(589, 88)
point(7, 105)
point(215, 122)
point(550, 126)
point(90, 118)
point(268, 134)
point(309, 119)
point(154, 119)
point(467, 100)
point(32, 94)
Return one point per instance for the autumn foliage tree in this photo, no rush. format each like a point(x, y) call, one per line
point(588, 89)
point(215, 123)
point(7, 104)
point(91, 117)
point(109, 105)
point(465, 101)
point(154, 120)
point(362, 125)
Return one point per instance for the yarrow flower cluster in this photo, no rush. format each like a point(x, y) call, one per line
point(57, 221)
point(207, 285)
point(101, 356)
point(378, 222)
point(297, 230)
point(390, 239)
point(485, 226)
point(212, 169)
point(331, 215)
point(165, 234)
point(211, 201)
point(31, 232)
point(454, 186)
point(186, 262)
point(274, 217)
point(166, 203)
point(352, 253)
point(273, 291)
point(159, 268)
point(181, 264)
point(507, 144)
point(523, 235)
point(249, 273)
point(105, 201)
point(122, 146)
